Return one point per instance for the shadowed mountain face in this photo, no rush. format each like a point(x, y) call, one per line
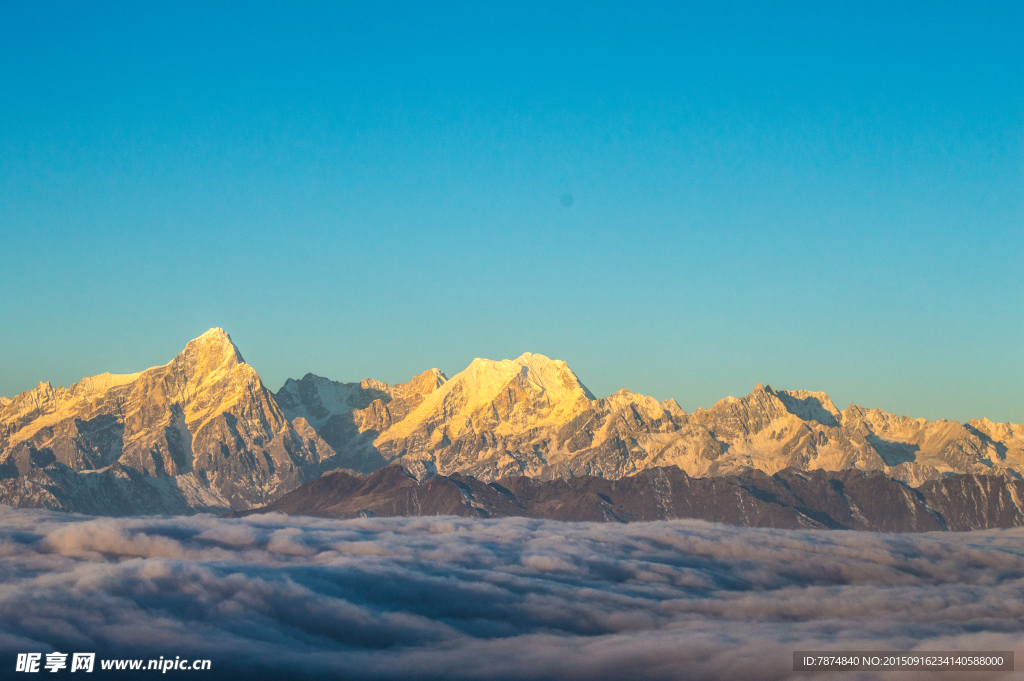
point(203, 433)
point(789, 499)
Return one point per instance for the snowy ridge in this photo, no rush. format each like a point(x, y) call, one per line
point(203, 424)
point(466, 398)
point(202, 432)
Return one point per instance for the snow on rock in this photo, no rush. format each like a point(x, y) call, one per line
point(205, 414)
point(202, 433)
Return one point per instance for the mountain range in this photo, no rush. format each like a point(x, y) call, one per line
point(202, 433)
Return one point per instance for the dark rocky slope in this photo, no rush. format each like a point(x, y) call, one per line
point(790, 499)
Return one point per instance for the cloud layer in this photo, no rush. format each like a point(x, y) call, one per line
point(453, 598)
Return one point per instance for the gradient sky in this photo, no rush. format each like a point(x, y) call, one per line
point(826, 196)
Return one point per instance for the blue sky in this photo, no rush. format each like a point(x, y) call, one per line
point(814, 195)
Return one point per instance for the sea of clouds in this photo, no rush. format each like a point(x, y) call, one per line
point(446, 598)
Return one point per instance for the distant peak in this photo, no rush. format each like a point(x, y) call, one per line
point(373, 384)
point(525, 359)
point(487, 376)
point(672, 406)
point(537, 359)
point(528, 357)
point(435, 376)
point(811, 406)
point(215, 342)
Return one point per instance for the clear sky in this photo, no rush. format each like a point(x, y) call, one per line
point(820, 195)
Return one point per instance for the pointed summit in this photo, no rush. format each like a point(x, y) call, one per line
point(211, 357)
point(421, 384)
point(215, 343)
point(763, 388)
point(672, 406)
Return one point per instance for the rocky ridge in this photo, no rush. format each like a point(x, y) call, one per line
point(789, 499)
point(203, 433)
point(198, 433)
point(532, 416)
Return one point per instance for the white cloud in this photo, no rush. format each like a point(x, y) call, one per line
point(512, 598)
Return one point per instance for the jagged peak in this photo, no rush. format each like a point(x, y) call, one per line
point(764, 389)
point(215, 332)
point(204, 363)
point(763, 398)
point(672, 406)
point(853, 410)
point(811, 406)
point(214, 344)
point(422, 383)
point(435, 374)
point(309, 379)
point(104, 382)
point(804, 404)
point(42, 388)
point(528, 356)
point(373, 384)
point(315, 381)
point(984, 420)
point(317, 399)
point(625, 398)
point(537, 359)
point(1007, 429)
point(528, 359)
point(480, 383)
point(544, 372)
